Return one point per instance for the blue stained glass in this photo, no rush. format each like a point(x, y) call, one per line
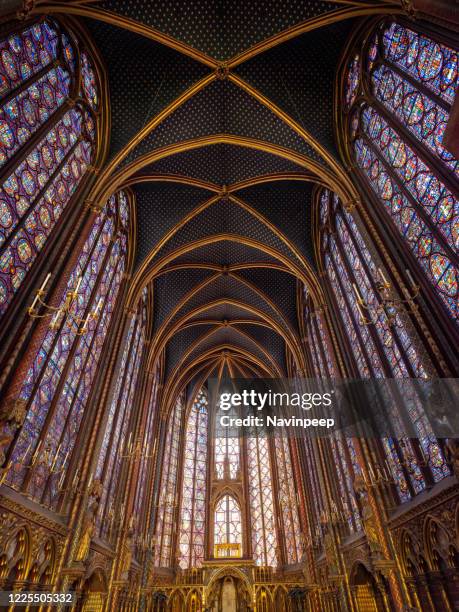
point(40, 186)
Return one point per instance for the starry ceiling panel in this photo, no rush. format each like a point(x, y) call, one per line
point(182, 341)
point(172, 287)
point(269, 339)
point(221, 312)
point(227, 287)
point(222, 164)
point(280, 287)
point(219, 28)
point(227, 336)
point(299, 77)
point(223, 108)
point(225, 217)
point(160, 206)
point(287, 204)
point(226, 253)
point(143, 78)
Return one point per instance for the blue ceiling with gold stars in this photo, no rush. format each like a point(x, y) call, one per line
point(223, 180)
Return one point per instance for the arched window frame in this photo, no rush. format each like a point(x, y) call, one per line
point(344, 465)
point(117, 440)
point(168, 501)
point(233, 529)
point(29, 222)
point(370, 57)
point(261, 501)
point(287, 501)
point(194, 461)
point(74, 357)
point(368, 349)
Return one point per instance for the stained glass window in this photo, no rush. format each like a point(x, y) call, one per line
point(47, 143)
point(193, 499)
point(288, 501)
point(116, 440)
point(226, 455)
point(168, 499)
point(325, 367)
point(227, 523)
point(262, 516)
point(389, 352)
point(57, 385)
point(148, 446)
point(398, 146)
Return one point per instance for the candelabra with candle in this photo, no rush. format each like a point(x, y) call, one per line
point(380, 475)
point(43, 458)
point(75, 486)
point(145, 543)
point(115, 521)
point(314, 540)
point(133, 450)
point(63, 311)
point(388, 304)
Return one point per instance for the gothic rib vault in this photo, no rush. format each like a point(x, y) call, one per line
point(222, 140)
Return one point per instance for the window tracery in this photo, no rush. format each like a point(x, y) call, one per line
point(47, 138)
point(262, 513)
point(194, 484)
point(288, 501)
point(397, 131)
point(345, 466)
point(227, 522)
point(116, 437)
point(57, 386)
point(168, 498)
point(382, 347)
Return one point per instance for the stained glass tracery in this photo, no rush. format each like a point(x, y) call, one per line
point(47, 143)
point(343, 451)
point(168, 498)
point(262, 514)
point(193, 498)
point(389, 353)
point(398, 146)
point(116, 434)
point(57, 386)
point(288, 501)
point(227, 522)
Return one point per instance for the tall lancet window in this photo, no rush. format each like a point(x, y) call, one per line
point(117, 441)
point(397, 139)
point(48, 113)
point(226, 454)
point(193, 498)
point(227, 528)
point(382, 344)
point(149, 446)
point(345, 464)
point(57, 386)
point(168, 497)
point(288, 501)
point(262, 513)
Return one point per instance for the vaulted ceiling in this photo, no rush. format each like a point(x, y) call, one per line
point(222, 125)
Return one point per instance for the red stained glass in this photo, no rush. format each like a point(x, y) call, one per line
point(63, 371)
point(193, 504)
point(38, 187)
